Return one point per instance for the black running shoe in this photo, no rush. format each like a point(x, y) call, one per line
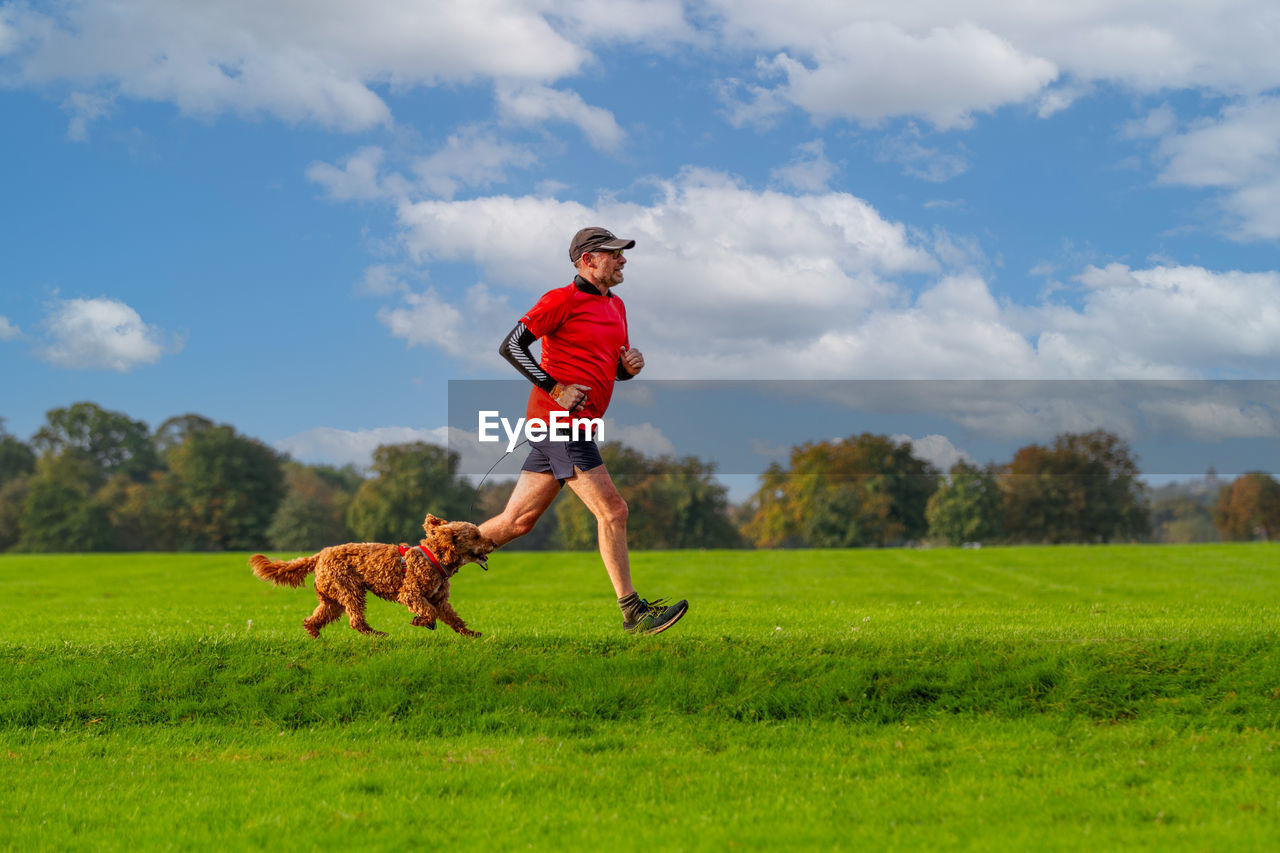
point(655, 617)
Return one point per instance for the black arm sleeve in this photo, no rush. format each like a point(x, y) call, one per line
point(515, 349)
point(623, 375)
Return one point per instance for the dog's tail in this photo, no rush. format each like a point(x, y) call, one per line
point(281, 573)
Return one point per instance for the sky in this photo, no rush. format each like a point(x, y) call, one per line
point(306, 218)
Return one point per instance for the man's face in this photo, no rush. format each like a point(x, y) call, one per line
point(608, 267)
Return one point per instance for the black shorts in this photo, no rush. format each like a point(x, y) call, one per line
point(560, 457)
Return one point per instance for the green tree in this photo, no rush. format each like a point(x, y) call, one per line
point(144, 516)
point(672, 503)
point(59, 513)
point(1249, 508)
point(860, 491)
point(409, 481)
point(1084, 488)
point(227, 486)
point(108, 442)
point(175, 431)
point(313, 512)
point(16, 458)
point(13, 495)
point(966, 506)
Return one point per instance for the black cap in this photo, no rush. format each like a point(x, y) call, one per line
point(596, 240)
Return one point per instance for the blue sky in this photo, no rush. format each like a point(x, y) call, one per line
point(304, 219)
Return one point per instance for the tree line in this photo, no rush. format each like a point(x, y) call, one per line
point(96, 480)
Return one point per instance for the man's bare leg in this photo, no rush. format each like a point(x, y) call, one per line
point(529, 500)
point(596, 490)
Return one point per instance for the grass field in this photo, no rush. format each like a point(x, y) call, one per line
point(1048, 698)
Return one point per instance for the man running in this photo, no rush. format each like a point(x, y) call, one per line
point(585, 347)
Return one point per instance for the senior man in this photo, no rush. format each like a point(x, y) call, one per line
point(585, 348)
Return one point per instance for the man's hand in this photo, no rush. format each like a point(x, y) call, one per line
point(572, 397)
point(632, 360)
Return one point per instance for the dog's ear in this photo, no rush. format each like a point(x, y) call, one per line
point(431, 522)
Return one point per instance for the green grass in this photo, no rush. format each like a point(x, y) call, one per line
point(1056, 698)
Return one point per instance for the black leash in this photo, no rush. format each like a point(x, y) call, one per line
point(487, 473)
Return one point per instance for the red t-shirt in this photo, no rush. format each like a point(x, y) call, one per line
point(582, 335)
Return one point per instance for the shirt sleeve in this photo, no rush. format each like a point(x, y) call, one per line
point(550, 312)
point(515, 349)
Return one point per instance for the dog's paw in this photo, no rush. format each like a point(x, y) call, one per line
point(467, 632)
point(424, 622)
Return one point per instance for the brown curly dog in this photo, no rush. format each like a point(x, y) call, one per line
point(416, 577)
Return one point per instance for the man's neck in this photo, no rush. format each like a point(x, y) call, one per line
point(602, 288)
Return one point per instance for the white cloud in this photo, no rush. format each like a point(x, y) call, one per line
point(1163, 321)
point(381, 280)
point(85, 108)
point(357, 179)
point(8, 331)
point(943, 60)
point(101, 334)
point(645, 437)
point(919, 160)
point(935, 449)
point(1059, 98)
point(8, 34)
point(470, 158)
point(813, 285)
point(1155, 124)
point(779, 271)
point(425, 319)
point(535, 104)
point(329, 446)
point(870, 70)
point(312, 61)
point(658, 24)
point(1238, 153)
point(1212, 419)
point(810, 171)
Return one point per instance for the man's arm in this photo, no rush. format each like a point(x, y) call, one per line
point(515, 349)
point(630, 362)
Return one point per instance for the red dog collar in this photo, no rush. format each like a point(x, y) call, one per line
point(426, 552)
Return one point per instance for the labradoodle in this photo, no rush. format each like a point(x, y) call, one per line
point(416, 577)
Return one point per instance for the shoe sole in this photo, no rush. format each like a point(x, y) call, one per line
point(665, 625)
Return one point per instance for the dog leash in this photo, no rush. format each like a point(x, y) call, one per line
point(487, 473)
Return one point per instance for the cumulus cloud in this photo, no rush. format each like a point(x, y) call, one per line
point(8, 331)
point(803, 262)
point(535, 104)
point(935, 449)
point(329, 446)
point(1237, 152)
point(1161, 321)
point(315, 62)
point(814, 285)
point(919, 160)
point(1155, 124)
point(84, 108)
point(644, 437)
point(873, 70)
point(944, 60)
point(471, 158)
point(810, 171)
point(357, 179)
point(468, 330)
point(102, 334)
